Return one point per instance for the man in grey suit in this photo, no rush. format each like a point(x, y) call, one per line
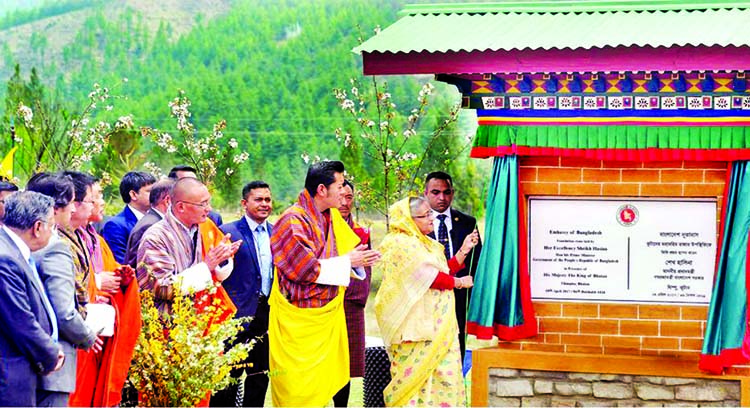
point(56, 268)
point(28, 339)
point(160, 201)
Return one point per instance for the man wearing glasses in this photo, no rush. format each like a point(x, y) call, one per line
point(451, 228)
point(173, 250)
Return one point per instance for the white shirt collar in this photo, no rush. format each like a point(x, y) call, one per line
point(25, 250)
point(138, 214)
point(161, 214)
point(253, 225)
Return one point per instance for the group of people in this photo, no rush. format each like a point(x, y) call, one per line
point(304, 280)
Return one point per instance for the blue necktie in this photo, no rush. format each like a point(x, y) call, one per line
point(45, 298)
point(264, 258)
point(443, 235)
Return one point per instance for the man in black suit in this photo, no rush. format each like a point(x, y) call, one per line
point(451, 228)
point(160, 201)
point(28, 339)
point(249, 286)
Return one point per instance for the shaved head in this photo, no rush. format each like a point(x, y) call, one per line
point(185, 188)
point(191, 201)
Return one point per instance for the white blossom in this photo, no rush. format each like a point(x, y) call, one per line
point(233, 143)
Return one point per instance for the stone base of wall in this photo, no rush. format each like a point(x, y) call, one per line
point(512, 378)
point(522, 388)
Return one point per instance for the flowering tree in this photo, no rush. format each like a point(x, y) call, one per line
point(383, 151)
point(49, 139)
point(215, 161)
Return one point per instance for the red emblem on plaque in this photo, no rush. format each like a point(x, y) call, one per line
point(627, 215)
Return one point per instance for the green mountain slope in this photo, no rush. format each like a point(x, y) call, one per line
point(266, 66)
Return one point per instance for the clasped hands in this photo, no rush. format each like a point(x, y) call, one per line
point(362, 256)
point(222, 252)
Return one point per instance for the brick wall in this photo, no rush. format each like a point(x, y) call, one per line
point(662, 330)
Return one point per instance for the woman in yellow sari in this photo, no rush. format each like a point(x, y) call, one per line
point(415, 310)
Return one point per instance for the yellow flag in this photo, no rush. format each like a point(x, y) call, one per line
point(6, 166)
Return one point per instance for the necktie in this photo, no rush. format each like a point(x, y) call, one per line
point(443, 235)
point(45, 298)
point(264, 258)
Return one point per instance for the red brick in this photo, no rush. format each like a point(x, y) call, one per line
point(599, 326)
point(620, 311)
point(581, 339)
point(556, 348)
point(639, 327)
point(640, 176)
point(547, 309)
point(661, 190)
point(580, 309)
point(681, 176)
point(509, 346)
point(552, 338)
point(688, 355)
point(580, 162)
point(716, 165)
point(621, 190)
point(527, 174)
point(703, 189)
point(559, 174)
point(541, 188)
point(584, 349)
point(598, 175)
point(680, 329)
point(658, 312)
point(558, 325)
point(630, 351)
point(691, 344)
point(715, 176)
point(694, 312)
point(664, 165)
point(580, 189)
point(553, 161)
point(669, 343)
point(621, 341)
point(622, 164)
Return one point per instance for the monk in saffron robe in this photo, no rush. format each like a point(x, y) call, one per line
point(309, 359)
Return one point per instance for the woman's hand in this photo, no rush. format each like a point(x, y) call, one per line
point(463, 282)
point(470, 242)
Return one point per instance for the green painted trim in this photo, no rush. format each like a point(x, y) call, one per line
point(615, 137)
point(570, 6)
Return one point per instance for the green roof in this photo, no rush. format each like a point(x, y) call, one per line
point(564, 25)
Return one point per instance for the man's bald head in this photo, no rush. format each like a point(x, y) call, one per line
point(185, 188)
point(191, 201)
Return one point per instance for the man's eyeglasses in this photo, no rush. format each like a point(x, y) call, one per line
point(51, 224)
point(204, 204)
point(445, 192)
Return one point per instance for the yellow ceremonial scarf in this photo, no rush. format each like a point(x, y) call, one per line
point(309, 348)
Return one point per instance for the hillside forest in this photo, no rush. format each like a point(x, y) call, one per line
point(266, 67)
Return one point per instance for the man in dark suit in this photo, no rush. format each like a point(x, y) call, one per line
point(28, 339)
point(56, 268)
point(249, 286)
point(451, 228)
point(181, 171)
point(135, 188)
point(159, 200)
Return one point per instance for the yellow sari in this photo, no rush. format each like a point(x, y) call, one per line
point(418, 324)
